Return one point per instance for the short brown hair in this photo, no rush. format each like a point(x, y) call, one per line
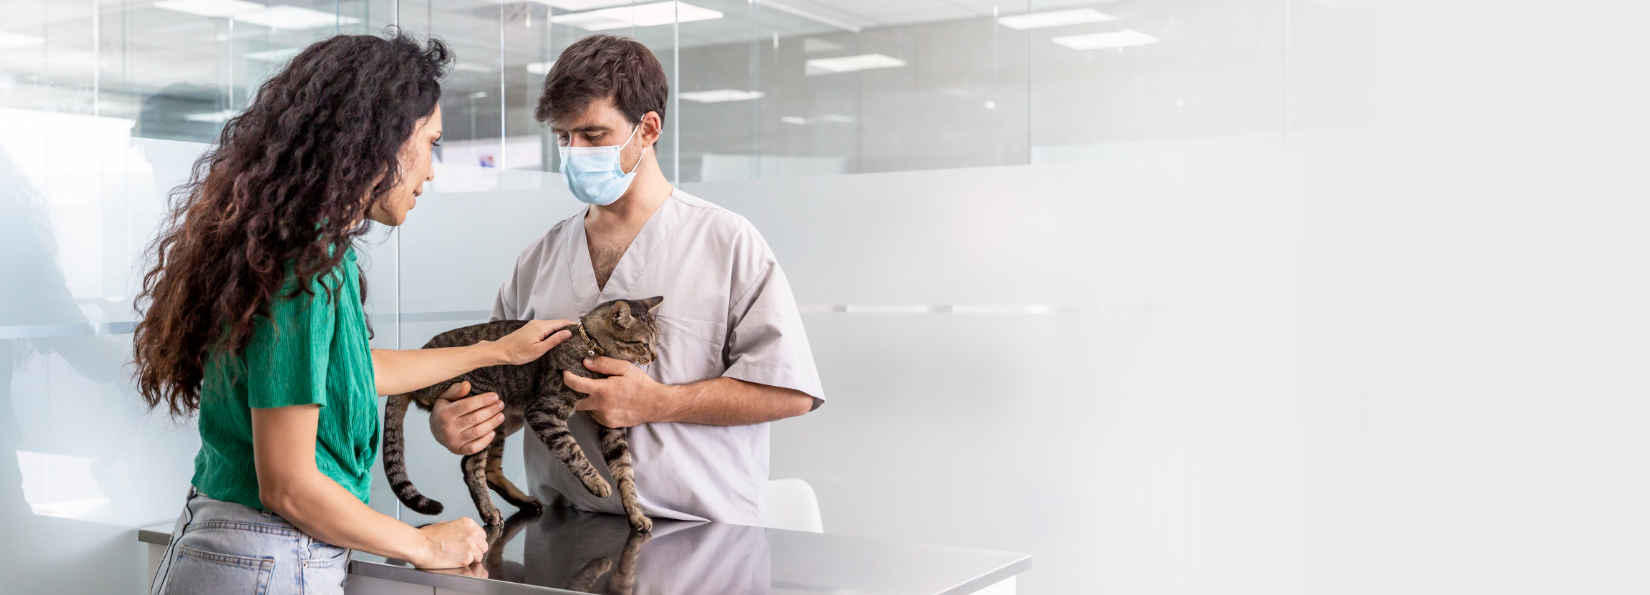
point(603, 67)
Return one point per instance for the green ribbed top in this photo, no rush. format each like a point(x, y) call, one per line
point(311, 349)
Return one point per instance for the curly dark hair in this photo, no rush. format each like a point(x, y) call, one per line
point(285, 192)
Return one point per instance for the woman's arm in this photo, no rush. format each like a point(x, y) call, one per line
point(397, 371)
point(283, 449)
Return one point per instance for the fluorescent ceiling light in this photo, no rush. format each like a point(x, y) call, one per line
point(581, 4)
point(646, 15)
point(798, 120)
point(540, 68)
point(280, 55)
point(467, 67)
point(1114, 39)
point(1039, 20)
point(210, 8)
point(838, 118)
point(814, 44)
point(18, 40)
point(292, 18)
point(218, 117)
point(722, 95)
point(851, 63)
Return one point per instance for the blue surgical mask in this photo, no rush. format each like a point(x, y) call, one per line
point(595, 175)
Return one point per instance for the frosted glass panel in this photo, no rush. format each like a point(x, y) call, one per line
point(81, 462)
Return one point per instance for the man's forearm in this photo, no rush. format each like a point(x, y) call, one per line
point(731, 402)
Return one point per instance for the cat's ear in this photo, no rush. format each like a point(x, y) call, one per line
point(652, 303)
point(622, 316)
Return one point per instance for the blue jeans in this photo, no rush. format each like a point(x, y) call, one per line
point(226, 548)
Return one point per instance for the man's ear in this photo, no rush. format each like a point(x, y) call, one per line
point(652, 303)
point(653, 127)
point(622, 316)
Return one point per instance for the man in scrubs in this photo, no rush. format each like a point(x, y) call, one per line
point(732, 352)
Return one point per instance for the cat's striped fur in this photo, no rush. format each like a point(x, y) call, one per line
point(623, 329)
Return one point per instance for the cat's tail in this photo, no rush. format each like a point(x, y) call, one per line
point(395, 458)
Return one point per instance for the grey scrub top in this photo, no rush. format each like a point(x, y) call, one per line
point(728, 311)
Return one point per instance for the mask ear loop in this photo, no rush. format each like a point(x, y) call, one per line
point(638, 155)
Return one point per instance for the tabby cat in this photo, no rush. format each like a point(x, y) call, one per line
point(621, 329)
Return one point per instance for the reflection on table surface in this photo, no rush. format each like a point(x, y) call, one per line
point(597, 553)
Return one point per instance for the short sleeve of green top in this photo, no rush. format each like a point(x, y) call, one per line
point(312, 349)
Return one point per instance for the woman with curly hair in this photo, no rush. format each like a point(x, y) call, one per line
point(254, 321)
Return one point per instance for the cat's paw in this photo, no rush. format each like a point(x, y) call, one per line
point(599, 487)
point(491, 517)
point(531, 506)
point(641, 524)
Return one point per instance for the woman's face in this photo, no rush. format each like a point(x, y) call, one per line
point(415, 170)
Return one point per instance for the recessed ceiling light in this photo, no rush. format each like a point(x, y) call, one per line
point(280, 55)
point(18, 40)
point(279, 17)
point(293, 18)
point(851, 63)
point(798, 120)
point(581, 4)
point(210, 8)
point(540, 68)
point(722, 95)
point(815, 44)
point(1114, 39)
point(838, 118)
point(1039, 20)
point(646, 15)
point(467, 67)
point(478, 95)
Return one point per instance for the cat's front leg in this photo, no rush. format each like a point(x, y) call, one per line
point(616, 451)
point(548, 416)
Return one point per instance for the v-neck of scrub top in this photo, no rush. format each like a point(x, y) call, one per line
point(633, 264)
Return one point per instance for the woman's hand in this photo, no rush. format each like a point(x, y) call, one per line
point(452, 544)
point(529, 342)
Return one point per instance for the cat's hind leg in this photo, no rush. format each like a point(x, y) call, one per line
point(475, 478)
point(502, 484)
point(616, 451)
point(548, 417)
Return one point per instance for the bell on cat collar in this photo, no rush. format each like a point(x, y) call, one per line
point(595, 349)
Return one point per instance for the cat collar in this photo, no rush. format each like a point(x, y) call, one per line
point(595, 349)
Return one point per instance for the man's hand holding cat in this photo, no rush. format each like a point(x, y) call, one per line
point(627, 397)
point(529, 342)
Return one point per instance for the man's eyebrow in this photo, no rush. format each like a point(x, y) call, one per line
point(586, 128)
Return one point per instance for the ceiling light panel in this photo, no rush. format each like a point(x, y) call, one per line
point(210, 8)
point(722, 95)
point(582, 4)
point(1100, 41)
point(851, 63)
point(1058, 18)
point(293, 18)
point(540, 68)
point(646, 15)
